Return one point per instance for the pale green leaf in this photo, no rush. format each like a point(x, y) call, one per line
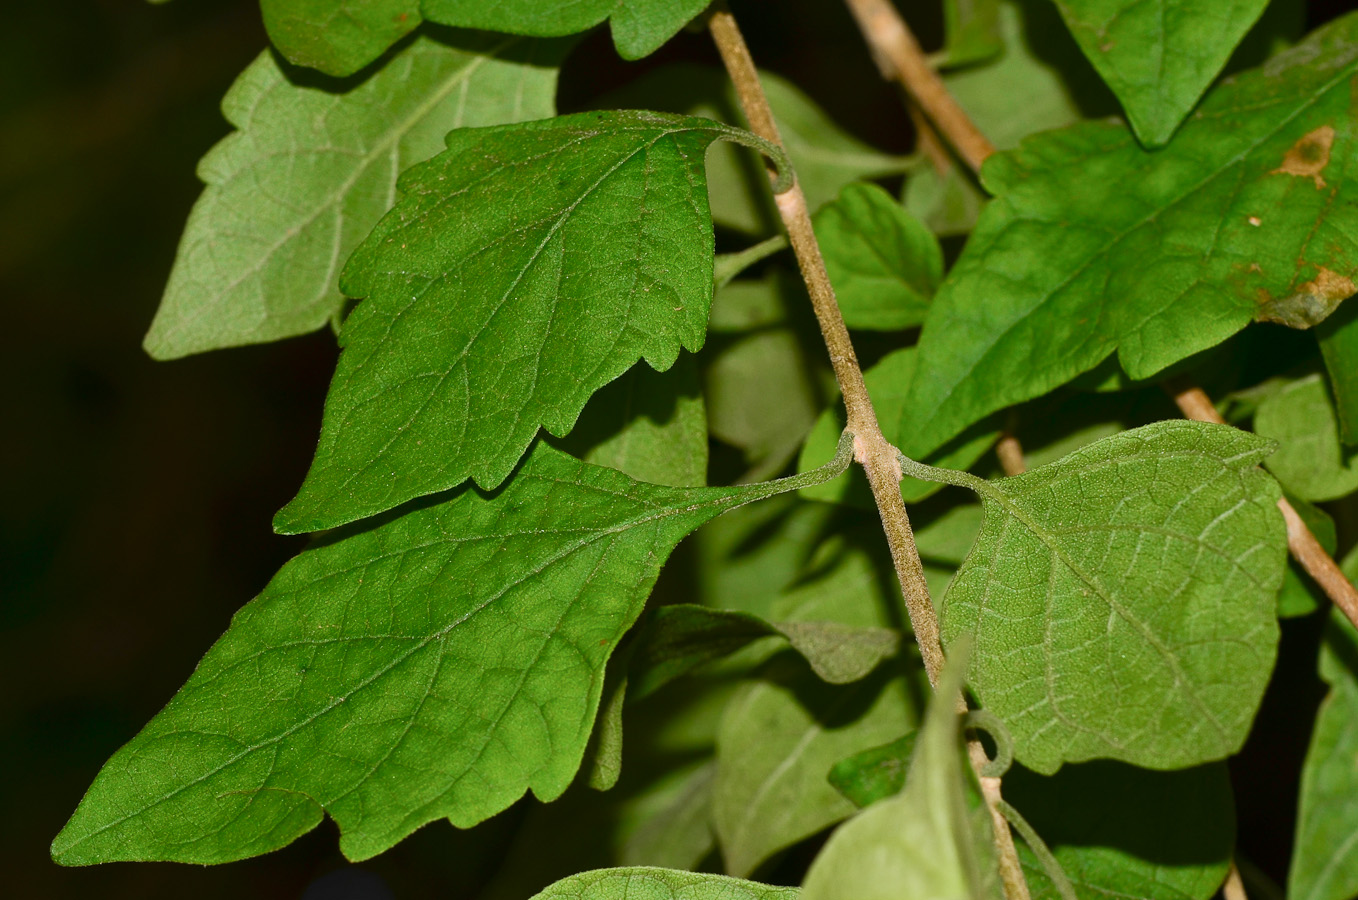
point(1160, 56)
point(778, 738)
point(436, 665)
point(885, 264)
point(308, 173)
point(640, 27)
point(1148, 559)
point(1311, 462)
point(923, 843)
point(1119, 831)
point(677, 833)
point(523, 269)
point(1325, 855)
point(888, 383)
point(338, 37)
point(971, 31)
point(1094, 245)
point(660, 884)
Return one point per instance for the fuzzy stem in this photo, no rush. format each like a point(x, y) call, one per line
point(877, 456)
point(899, 56)
point(1194, 403)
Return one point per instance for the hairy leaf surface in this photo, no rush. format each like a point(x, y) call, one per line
point(1325, 858)
point(1159, 56)
point(660, 884)
point(1123, 598)
point(522, 269)
point(308, 173)
point(438, 664)
point(884, 263)
point(1094, 245)
point(338, 37)
point(639, 26)
point(1310, 461)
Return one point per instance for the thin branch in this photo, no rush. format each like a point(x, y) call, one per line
point(1010, 452)
point(1306, 550)
point(899, 57)
point(1011, 872)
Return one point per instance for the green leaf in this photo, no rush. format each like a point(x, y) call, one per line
point(876, 773)
point(885, 265)
point(660, 884)
point(1151, 558)
point(1310, 460)
point(778, 738)
point(522, 269)
point(650, 425)
point(1325, 855)
point(678, 834)
point(438, 664)
point(1159, 57)
point(338, 37)
point(925, 841)
point(308, 173)
point(680, 637)
point(889, 383)
point(1095, 245)
point(971, 31)
point(1121, 831)
point(1338, 337)
point(640, 27)
point(1300, 596)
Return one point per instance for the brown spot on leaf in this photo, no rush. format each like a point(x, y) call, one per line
point(1308, 157)
point(1311, 303)
point(1256, 221)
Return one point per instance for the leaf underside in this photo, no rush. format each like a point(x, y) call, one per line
point(1123, 598)
point(1094, 245)
point(522, 269)
point(308, 173)
point(436, 665)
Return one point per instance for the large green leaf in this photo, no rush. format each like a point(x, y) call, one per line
point(1159, 57)
point(1325, 855)
point(438, 664)
point(1094, 245)
point(522, 269)
point(1123, 598)
point(660, 884)
point(884, 263)
point(925, 842)
point(1121, 831)
point(1310, 461)
point(639, 26)
point(309, 172)
point(339, 37)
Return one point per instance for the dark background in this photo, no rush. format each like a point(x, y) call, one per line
point(137, 495)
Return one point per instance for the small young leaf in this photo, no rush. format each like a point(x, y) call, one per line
point(876, 773)
point(308, 173)
point(438, 664)
point(1338, 337)
point(522, 269)
point(1159, 57)
point(924, 842)
point(640, 27)
point(660, 884)
point(885, 265)
point(778, 738)
point(1095, 245)
point(971, 31)
point(338, 37)
point(889, 384)
point(1121, 831)
point(1310, 460)
point(1325, 858)
point(1151, 558)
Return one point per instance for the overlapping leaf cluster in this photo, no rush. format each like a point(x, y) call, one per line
point(544, 364)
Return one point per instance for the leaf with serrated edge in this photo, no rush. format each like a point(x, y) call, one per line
point(308, 173)
point(1159, 56)
point(338, 37)
point(640, 27)
point(884, 263)
point(522, 269)
point(438, 664)
point(1311, 461)
point(1122, 598)
point(1094, 245)
point(660, 884)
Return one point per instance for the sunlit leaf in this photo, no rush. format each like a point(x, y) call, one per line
point(660, 884)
